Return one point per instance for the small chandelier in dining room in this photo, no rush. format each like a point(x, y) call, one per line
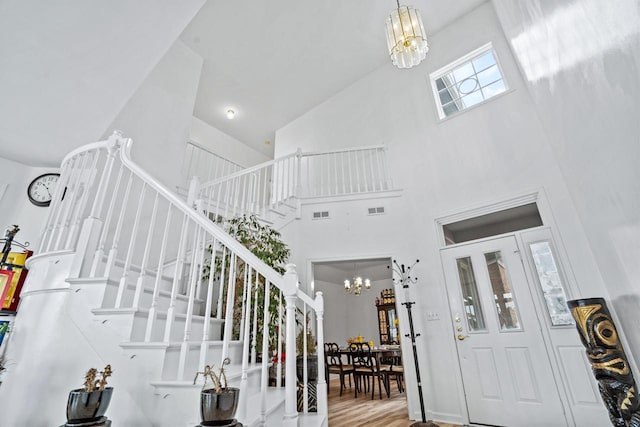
point(357, 286)
point(406, 38)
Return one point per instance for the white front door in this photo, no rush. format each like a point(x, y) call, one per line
point(506, 372)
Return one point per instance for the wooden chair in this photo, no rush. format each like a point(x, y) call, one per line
point(333, 365)
point(366, 367)
point(396, 370)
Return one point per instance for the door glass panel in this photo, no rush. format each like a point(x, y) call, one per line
point(472, 305)
point(551, 284)
point(502, 294)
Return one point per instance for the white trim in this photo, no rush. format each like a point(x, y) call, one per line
point(488, 208)
point(338, 198)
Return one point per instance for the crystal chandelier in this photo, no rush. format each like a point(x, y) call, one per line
point(357, 286)
point(406, 38)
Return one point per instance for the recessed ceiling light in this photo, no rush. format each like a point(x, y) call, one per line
point(231, 113)
point(267, 143)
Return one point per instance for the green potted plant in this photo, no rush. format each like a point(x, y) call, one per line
point(265, 243)
point(218, 404)
point(87, 405)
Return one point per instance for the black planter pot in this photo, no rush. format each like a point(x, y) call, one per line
point(312, 368)
point(218, 408)
point(85, 407)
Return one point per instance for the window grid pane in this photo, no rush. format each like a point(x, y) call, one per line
point(469, 84)
point(470, 296)
point(551, 284)
point(502, 293)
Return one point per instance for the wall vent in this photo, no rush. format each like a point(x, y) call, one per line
point(376, 211)
point(321, 215)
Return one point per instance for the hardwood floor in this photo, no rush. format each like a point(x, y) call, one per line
point(347, 411)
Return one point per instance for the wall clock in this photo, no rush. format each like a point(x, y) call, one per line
point(41, 189)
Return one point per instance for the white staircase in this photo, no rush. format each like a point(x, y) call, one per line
point(120, 274)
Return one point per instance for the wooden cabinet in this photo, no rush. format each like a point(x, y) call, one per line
point(387, 325)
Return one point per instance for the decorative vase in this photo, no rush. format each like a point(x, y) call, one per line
point(608, 360)
point(219, 409)
point(312, 369)
point(87, 408)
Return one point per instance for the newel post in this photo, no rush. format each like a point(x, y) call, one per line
point(91, 227)
point(299, 184)
point(290, 288)
point(321, 390)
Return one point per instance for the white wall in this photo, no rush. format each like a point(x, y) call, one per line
point(223, 144)
point(582, 63)
point(69, 67)
point(158, 116)
point(15, 207)
point(485, 155)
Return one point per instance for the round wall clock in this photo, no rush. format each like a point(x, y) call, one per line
point(41, 189)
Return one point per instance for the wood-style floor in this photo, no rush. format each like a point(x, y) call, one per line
point(347, 411)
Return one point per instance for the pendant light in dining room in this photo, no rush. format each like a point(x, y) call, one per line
point(406, 38)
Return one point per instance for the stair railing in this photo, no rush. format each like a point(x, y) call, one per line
point(164, 260)
point(266, 187)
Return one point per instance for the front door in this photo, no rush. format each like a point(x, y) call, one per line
point(505, 366)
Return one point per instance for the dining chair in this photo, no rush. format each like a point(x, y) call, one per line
point(366, 366)
point(333, 365)
point(395, 370)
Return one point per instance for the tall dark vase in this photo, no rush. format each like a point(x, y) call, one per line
point(219, 409)
point(88, 408)
point(608, 360)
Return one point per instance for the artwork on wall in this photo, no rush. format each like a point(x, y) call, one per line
point(4, 327)
point(11, 297)
point(6, 277)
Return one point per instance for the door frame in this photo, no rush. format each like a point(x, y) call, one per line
point(539, 197)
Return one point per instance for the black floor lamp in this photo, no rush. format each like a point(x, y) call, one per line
point(404, 278)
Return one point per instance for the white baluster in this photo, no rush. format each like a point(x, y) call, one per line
point(130, 251)
point(151, 319)
point(65, 213)
point(228, 315)
point(254, 335)
point(182, 244)
point(145, 255)
point(279, 329)
point(86, 182)
point(97, 260)
point(321, 386)
point(222, 279)
point(113, 252)
point(265, 353)
point(244, 379)
point(209, 304)
point(290, 287)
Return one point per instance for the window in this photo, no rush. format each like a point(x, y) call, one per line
point(471, 80)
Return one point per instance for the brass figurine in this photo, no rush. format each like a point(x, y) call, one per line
point(608, 360)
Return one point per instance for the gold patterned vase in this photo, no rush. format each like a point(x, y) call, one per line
point(608, 360)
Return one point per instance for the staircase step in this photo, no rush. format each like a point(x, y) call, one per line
point(111, 290)
point(140, 318)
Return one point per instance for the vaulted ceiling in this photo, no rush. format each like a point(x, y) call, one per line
point(67, 69)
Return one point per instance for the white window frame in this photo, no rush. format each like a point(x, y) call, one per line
point(458, 62)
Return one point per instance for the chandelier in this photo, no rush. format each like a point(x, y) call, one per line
point(406, 38)
point(357, 286)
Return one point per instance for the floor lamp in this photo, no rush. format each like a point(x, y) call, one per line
point(404, 278)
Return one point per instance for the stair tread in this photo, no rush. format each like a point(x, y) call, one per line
point(172, 344)
point(110, 281)
point(231, 372)
point(144, 310)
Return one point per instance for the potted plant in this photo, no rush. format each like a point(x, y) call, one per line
point(312, 360)
point(218, 404)
point(265, 243)
point(87, 405)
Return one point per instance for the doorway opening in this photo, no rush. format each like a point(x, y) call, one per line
point(368, 316)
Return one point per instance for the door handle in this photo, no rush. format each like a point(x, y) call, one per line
point(462, 337)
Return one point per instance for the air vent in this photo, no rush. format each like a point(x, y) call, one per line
point(321, 215)
point(376, 211)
